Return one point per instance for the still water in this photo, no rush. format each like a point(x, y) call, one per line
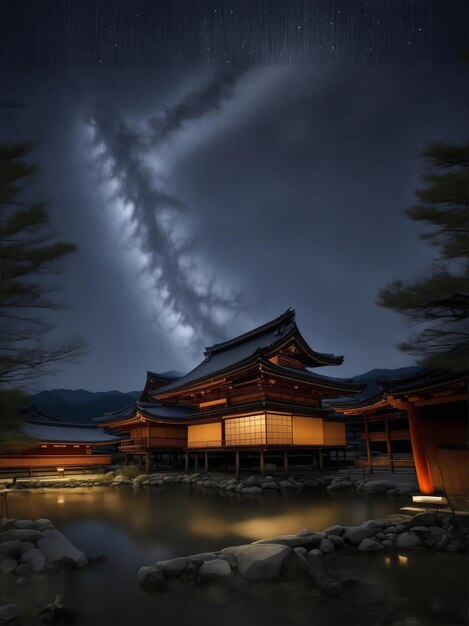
point(135, 528)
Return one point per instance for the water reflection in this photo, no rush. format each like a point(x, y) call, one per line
point(140, 527)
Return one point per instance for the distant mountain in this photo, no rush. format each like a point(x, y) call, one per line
point(80, 405)
point(373, 376)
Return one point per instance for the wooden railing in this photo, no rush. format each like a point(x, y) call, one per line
point(395, 435)
point(384, 462)
point(152, 442)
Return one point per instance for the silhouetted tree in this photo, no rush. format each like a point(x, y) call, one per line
point(29, 256)
point(438, 303)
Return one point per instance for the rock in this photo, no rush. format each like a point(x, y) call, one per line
point(27, 545)
point(335, 530)
point(253, 490)
point(9, 613)
point(42, 522)
point(408, 541)
point(356, 534)
point(296, 541)
point(337, 541)
point(339, 485)
point(8, 566)
point(311, 483)
point(391, 530)
point(315, 552)
point(56, 548)
point(24, 534)
point(173, 567)
point(326, 546)
point(376, 486)
point(35, 559)
point(389, 545)
point(442, 543)
point(11, 548)
point(285, 484)
point(56, 612)
point(369, 545)
point(372, 524)
point(301, 554)
point(215, 570)
point(252, 480)
point(203, 556)
point(424, 519)
point(304, 532)
point(24, 524)
point(151, 578)
point(270, 467)
point(261, 561)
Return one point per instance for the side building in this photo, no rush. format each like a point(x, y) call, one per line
point(252, 393)
point(57, 445)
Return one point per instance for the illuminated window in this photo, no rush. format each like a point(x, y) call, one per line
point(245, 431)
point(279, 429)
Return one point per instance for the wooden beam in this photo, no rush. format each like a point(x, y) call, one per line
point(388, 444)
point(262, 463)
point(206, 462)
point(368, 445)
point(285, 462)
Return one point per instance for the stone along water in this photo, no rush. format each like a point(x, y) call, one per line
point(134, 528)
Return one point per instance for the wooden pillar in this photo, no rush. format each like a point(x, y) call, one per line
point(388, 443)
point(262, 463)
point(238, 467)
point(368, 445)
point(147, 463)
point(321, 460)
point(285, 462)
point(420, 458)
point(206, 462)
point(126, 459)
point(187, 461)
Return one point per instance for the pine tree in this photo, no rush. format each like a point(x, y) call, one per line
point(438, 303)
point(29, 256)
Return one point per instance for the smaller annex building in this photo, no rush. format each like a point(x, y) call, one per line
point(58, 445)
point(430, 409)
point(255, 392)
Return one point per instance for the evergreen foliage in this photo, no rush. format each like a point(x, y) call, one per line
point(29, 256)
point(438, 303)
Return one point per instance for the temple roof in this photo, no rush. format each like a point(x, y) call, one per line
point(149, 409)
point(263, 340)
point(68, 434)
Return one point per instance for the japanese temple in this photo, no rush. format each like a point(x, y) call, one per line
point(57, 446)
point(252, 393)
point(429, 409)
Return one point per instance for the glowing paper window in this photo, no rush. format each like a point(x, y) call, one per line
point(246, 431)
point(279, 429)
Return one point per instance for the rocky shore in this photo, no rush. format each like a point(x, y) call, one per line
point(35, 546)
point(300, 555)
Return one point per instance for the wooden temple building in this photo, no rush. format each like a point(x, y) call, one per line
point(252, 393)
point(429, 409)
point(57, 446)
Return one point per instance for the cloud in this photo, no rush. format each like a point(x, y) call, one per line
point(186, 297)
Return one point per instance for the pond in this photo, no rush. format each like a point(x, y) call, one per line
point(135, 528)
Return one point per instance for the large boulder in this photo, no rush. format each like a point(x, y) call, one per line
point(9, 613)
point(369, 545)
point(258, 561)
point(173, 567)
point(8, 566)
point(335, 530)
point(35, 559)
point(23, 523)
point(356, 534)
point(57, 548)
point(376, 486)
point(151, 578)
point(215, 570)
point(408, 541)
point(12, 548)
point(424, 519)
point(25, 534)
point(293, 541)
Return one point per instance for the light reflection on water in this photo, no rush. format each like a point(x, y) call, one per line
point(135, 528)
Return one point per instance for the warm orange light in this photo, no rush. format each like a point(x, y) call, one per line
point(402, 559)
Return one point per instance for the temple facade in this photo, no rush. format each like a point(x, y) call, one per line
point(254, 392)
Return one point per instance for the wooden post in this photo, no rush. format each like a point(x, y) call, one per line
point(368, 445)
point(285, 462)
point(126, 459)
point(321, 460)
point(147, 463)
point(388, 444)
point(238, 467)
point(206, 462)
point(262, 463)
point(422, 468)
point(187, 461)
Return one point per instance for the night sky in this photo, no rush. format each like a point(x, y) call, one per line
point(218, 162)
